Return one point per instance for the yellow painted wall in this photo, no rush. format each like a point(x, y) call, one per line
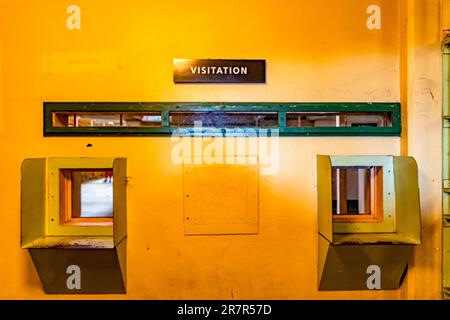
point(424, 106)
point(315, 51)
point(445, 15)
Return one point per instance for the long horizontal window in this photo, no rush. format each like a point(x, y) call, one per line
point(284, 119)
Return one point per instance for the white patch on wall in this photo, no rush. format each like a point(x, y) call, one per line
point(373, 22)
point(75, 62)
point(73, 21)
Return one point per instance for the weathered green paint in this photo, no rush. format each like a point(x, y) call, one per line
point(324, 197)
point(166, 107)
point(33, 197)
point(407, 199)
point(74, 242)
point(120, 199)
point(445, 169)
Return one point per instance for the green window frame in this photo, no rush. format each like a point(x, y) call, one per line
point(445, 169)
point(165, 129)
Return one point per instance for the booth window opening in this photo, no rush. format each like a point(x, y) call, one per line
point(86, 197)
point(357, 194)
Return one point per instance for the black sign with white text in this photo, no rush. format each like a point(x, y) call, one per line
point(219, 71)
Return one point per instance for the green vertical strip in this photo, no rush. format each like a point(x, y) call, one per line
point(397, 120)
point(445, 173)
point(445, 81)
point(48, 123)
point(445, 151)
point(165, 119)
point(446, 261)
point(282, 119)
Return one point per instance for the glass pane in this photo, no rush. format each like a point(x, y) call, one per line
point(63, 119)
point(147, 119)
point(106, 119)
point(92, 194)
point(224, 119)
point(97, 120)
point(351, 191)
point(339, 119)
